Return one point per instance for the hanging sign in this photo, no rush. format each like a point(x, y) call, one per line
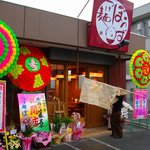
point(2, 105)
point(111, 24)
point(140, 104)
point(34, 106)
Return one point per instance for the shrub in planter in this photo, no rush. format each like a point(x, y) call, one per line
point(58, 120)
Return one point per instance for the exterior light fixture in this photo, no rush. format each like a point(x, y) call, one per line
point(123, 43)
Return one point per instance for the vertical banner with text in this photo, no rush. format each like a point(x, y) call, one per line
point(2, 105)
point(140, 104)
point(34, 106)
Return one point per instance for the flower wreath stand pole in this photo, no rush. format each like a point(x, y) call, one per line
point(6, 140)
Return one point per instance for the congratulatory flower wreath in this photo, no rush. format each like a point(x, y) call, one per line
point(32, 71)
point(9, 49)
point(139, 68)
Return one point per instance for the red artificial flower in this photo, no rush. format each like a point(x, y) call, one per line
point(32, 71)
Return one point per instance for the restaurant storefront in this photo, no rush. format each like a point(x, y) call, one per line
point(64, 42)
point(66, 83)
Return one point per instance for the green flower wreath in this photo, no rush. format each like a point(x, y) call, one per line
point(9, 49)
point(139, 68)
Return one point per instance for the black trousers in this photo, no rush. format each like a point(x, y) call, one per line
point(116, 124)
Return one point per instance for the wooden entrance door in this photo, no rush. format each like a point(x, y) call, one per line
point(94, 114)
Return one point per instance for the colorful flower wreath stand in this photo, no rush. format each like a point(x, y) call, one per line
point(139, 68)
point(9, 49)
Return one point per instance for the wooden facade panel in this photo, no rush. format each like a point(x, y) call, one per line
point(95, 117)
point(50, 27)
point(13, 16)
point(117, 73)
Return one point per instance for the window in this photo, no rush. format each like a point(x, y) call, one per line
point(138, 26)
point(148, 32)
point(148, 23)
point(56, 82)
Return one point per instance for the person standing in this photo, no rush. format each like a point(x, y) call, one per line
point(116, 117)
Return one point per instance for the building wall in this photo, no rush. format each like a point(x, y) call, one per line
point(13, 16)
point(117, 73)
point(41, 28)
point(50, 27)
point(143, 11)
point(147, 44)
point(140, 26)
point(136, 42)
point(141, 23)
point(32, 25)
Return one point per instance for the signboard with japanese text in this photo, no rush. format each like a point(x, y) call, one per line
point(34, 106)
point(2, 105)
point(111, 24)
point(140, 104)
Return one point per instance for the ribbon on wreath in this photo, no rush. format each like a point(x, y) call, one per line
point(27, 143)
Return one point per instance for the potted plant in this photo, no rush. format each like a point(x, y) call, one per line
point(66, 120)
point(27, 133)
point(59, 123)
point(58, 120)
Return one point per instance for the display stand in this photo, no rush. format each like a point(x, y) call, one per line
point(6, 140)
point(140, 123)
point(58, 109)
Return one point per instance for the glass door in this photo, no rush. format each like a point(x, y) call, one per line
point(74, 89)
point(56, 91)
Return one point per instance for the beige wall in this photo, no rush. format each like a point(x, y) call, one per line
point(51, 27)
point(136, 42)
point(13, 16)
point(36, 25)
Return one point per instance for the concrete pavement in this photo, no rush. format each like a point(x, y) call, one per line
point(138, 139)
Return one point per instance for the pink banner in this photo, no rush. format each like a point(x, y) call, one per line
point(140, 104)
point(2, 105)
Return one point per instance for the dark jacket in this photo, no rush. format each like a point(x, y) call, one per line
point(118, 105)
